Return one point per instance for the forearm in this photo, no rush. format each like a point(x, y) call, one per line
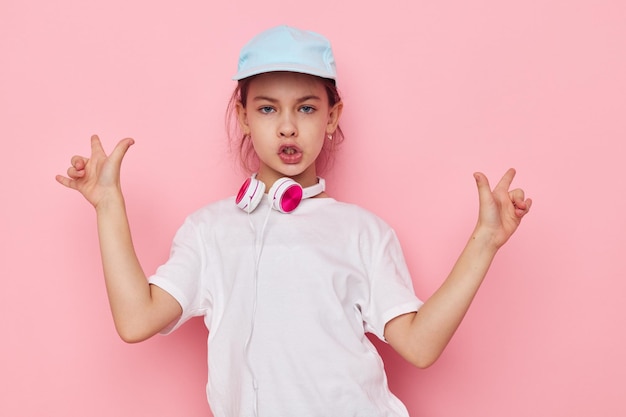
point(126, 284)
point(440, 316)
point(421, 338)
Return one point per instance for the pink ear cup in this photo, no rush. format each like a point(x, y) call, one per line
point(250, 194)
point(285, 195)
point(242, 191)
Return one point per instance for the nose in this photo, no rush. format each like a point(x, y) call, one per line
point(287, 127)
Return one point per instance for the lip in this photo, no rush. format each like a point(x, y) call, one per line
point(290, 157)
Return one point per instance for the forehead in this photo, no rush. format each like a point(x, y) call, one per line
point(286, 84)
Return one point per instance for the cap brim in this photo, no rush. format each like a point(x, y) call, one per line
point(303, 69)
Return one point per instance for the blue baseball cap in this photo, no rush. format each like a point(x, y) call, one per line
point(285, 48)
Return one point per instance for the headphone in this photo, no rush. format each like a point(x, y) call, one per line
point(284, 196)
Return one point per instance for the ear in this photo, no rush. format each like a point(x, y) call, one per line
point(334, 114)
point(242, 118)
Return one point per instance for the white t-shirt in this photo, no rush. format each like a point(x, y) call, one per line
point(287, 335)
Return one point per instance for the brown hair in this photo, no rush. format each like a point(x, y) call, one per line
point(247, 156)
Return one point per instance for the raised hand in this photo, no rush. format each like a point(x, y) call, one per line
point(98, 176)
point(501, 210)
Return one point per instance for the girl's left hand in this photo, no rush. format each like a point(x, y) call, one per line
point(501, 211)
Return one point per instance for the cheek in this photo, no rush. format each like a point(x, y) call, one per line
point(257, 145)
point(321, 141)
point(317, 125)
point(257, 129)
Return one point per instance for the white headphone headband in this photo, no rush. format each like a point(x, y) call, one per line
point(314, 190)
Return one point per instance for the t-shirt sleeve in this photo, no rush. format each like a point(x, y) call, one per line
point(182, 275)
point(391, 287)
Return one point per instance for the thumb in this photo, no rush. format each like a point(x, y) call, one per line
point(120, 150)
point(484, 190)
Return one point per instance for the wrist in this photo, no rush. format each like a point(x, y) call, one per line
point(112, 200)
point(485, 238)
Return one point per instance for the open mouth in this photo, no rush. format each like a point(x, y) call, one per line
point(289, 151)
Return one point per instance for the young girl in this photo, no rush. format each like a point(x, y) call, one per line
point(287, 278)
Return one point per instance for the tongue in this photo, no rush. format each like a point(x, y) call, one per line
point(290, 155)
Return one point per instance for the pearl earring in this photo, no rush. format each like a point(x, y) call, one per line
point(329, 136)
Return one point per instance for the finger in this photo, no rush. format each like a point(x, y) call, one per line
point(516, 195)
point(79, 162)
point(65, 181)
point(522, 207)
point(75, 173)
point(506, 180)
point(96, 145)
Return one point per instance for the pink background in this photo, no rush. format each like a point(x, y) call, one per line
point(433, 91)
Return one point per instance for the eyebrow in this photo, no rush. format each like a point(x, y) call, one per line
point(274, 100)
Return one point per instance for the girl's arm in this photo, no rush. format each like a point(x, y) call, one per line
point(139, 310)
point(421, 337)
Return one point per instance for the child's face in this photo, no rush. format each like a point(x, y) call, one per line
point(288, 117)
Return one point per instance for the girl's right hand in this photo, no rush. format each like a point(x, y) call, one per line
point(97, 177)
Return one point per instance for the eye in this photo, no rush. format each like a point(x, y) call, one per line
point(266, 109)
point(307, 109)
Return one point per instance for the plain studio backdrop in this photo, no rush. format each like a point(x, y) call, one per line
point(433, 92)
